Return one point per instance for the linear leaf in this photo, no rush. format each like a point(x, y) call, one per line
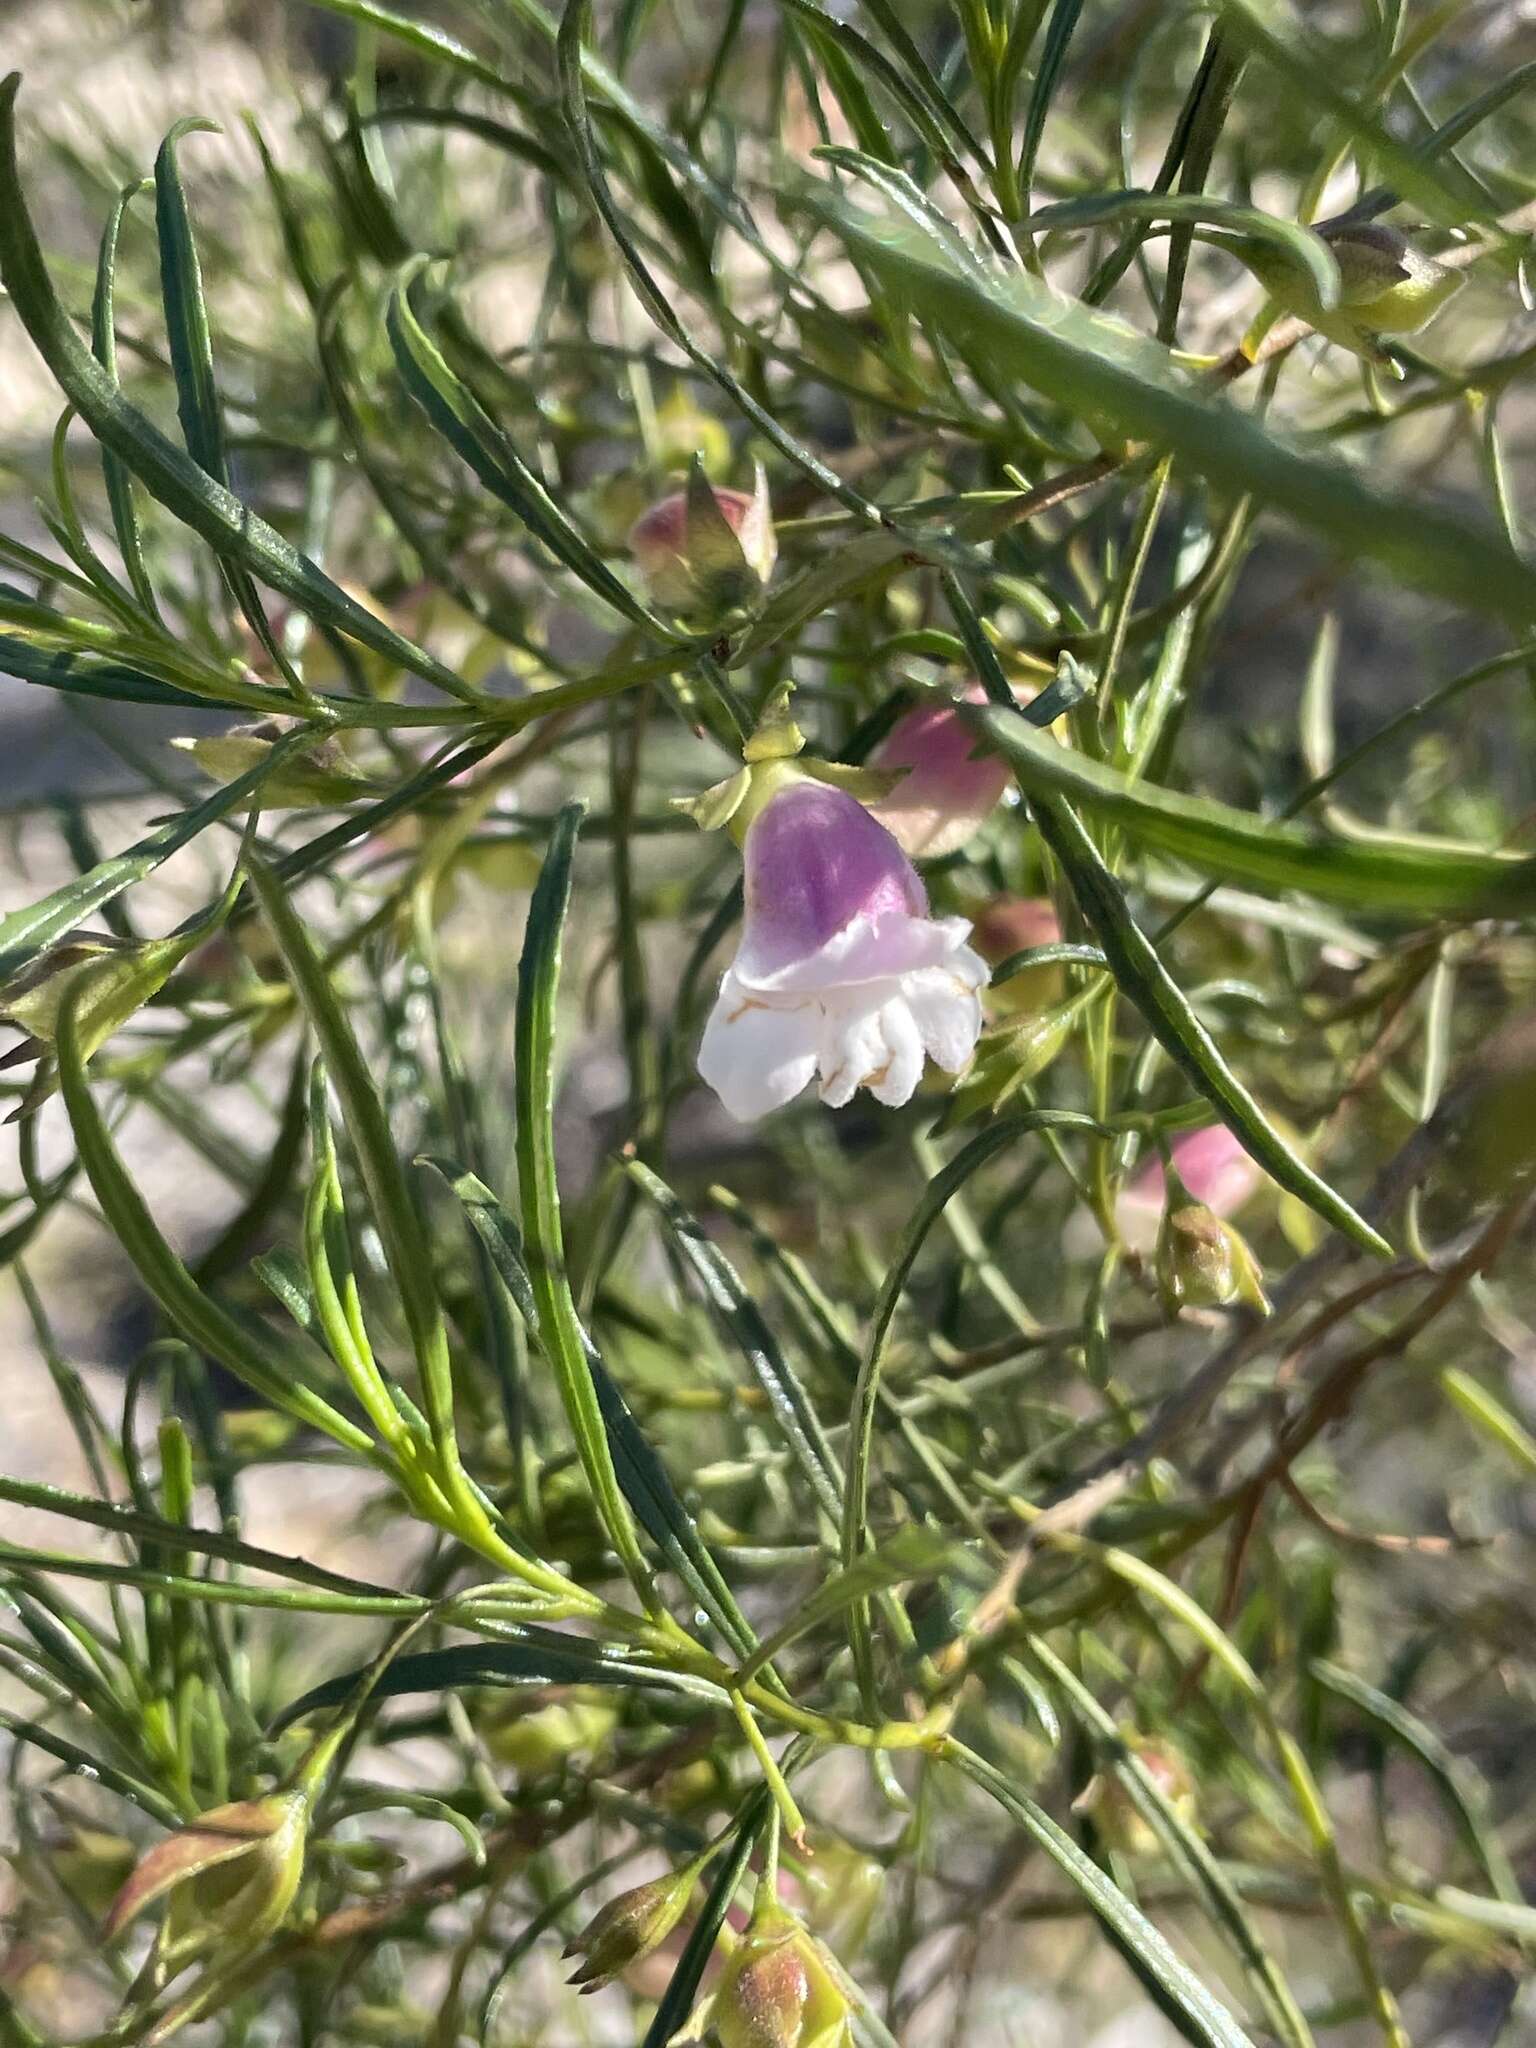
point(1144, 980)
point(644, 1478)
point(244, 1348)
point(125, 518)
point(677, 2000)
point(1305, 248)
point(1053, 55)
point(475, 437)
point(1422, 881)
point(82, 1765)
point(559, 1328)
point(1205, 2019)
point(743, 1321)
point(1163, 1813)
point(393, 1211)
point(911, 1555)
point(854, 1517)
point(83, 674)
point(127, 1521)
point(1101, 369)
point(229, 526)
point(1456, 1779)
point(540, 1657)
point(25, 933)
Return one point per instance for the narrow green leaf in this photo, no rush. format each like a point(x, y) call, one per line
point(644, 1478)
point(1142, 978)
point(1313, 74)
point(83, 674)
point(1053, 55)
point(150, 1578)
point(245, 1349)
point(743, 1322)
point(92, 1770)
point(474, 436)
point(1456, 1779)
point(678, 1998)
point(1426, 880)
point(1101, 369)
point(1186, 1841)
point(1490, 1417)
point(191, 349)
point(840, 41)
point(229, 526)
point(25, 933)
point(1308, 250)
point(559, 1328)
point(1206, 2021)
point(539, 1657)
point(907, 1558)
point(389, 1195)
point(191, 342)
point(127, 1521)
point(125, 518)
point(854, 1516)
point(464, 119)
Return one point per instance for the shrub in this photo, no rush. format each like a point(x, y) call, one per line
point(594, 464)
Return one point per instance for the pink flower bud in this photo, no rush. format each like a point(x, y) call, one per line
point(1012, 924)
point(1213, 1167)
point(950, 788)
point(706, 548)
point(1015, 924)
point(840, 971)
point(778, 1990)
point(1115, 1814)
point(1202, 1262)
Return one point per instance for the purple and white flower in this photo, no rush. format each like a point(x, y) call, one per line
point(841, 972)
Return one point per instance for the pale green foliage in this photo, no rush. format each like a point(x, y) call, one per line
point(889, 1510)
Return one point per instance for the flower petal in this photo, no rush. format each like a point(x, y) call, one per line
point(757, 1055)
point(851, 1043)
point(946, 1008)
point(816, 862)
point(896, 1081)
point(867, 950)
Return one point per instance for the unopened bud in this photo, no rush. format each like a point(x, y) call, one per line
point(1007, 927)
point(232, 1873)
point(552, 1737)
point(630, 1927)
point(706, 549)
point(1390, 287)
point(1386, 286)
point(319, 773)
point(778, 1990)
point(950, 783)
point(1114, 1812)
point(1202, 1262)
